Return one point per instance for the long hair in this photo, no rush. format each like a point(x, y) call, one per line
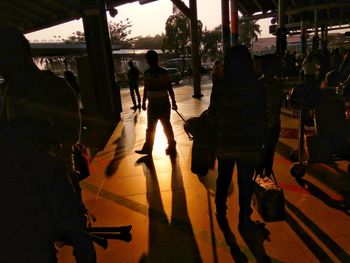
point(15, 61)
point(238, 66)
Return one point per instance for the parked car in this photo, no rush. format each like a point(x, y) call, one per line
point(174, 74)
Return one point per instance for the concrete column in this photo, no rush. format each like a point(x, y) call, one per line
point(315, 40)
point(234, 22)
point(196, 61)
point(101, 67)
point(324, 38)
point(303, 36)
point(225, 21)
point(281, 37)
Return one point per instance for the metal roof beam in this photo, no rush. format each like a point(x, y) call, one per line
point(242, 9)
point(38, 10)
point(57, 5)
point(256, 2)
point(326, 22)
point(316, 7)
point(20, 12)
point(275, 3)
point(4, 16)
point(183, 8)
point(258, 16)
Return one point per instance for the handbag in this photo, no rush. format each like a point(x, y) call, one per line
point(80, 156)
point(268, 198)
point(81, 161)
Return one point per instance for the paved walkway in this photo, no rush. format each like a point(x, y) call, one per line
point(172, 210)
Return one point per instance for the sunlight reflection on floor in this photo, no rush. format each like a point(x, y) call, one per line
point(160, 141)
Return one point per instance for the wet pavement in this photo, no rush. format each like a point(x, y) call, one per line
point(172, 210)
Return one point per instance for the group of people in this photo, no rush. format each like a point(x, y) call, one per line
point(244, 112)
point(314, 66)
point(40, 123)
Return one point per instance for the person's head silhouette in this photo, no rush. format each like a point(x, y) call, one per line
point(152, 58)
point(15, 60)
point(238, 64)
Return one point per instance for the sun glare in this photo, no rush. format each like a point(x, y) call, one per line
point(160, 141)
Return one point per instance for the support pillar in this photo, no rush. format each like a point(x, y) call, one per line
point(234, 22)
point(324, 38)
point(281, 36)
point(101, 67)
point(303, 38)
point(315, 39)
point(225, 21)
point(196, 61)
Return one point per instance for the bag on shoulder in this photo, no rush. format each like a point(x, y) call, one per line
point(81, 161)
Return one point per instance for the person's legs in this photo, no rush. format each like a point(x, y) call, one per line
point(138, 96)
point(168, 129)
point(132, 93)
point(225, 169)
point(152, 119)
point(245, 173)
point(273, 135)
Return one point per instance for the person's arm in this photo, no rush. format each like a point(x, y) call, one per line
point(145, 88)
point(171, 93)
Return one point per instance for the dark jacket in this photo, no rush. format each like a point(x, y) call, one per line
point(238, 112)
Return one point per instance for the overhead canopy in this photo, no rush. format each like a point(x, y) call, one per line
point(329, 12)
point(33, 15)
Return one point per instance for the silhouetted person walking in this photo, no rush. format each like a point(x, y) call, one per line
point(133, 76)
point(271, 66)
point(157, 89)
point(237, 110)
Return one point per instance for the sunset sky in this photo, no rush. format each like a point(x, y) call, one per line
point(148, 19)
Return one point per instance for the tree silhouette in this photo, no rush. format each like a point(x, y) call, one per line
point(212, 43)
point(249, 32)
point(118, 34)
point(177, 41)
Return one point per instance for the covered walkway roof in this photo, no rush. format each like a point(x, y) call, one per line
point(330, 12)
point(32, 15)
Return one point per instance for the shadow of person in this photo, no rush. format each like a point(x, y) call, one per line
point(342, 205)
point(236, 253)
point(123, 145)
point(254, 237)
point(209, 182)
point(169, 240)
